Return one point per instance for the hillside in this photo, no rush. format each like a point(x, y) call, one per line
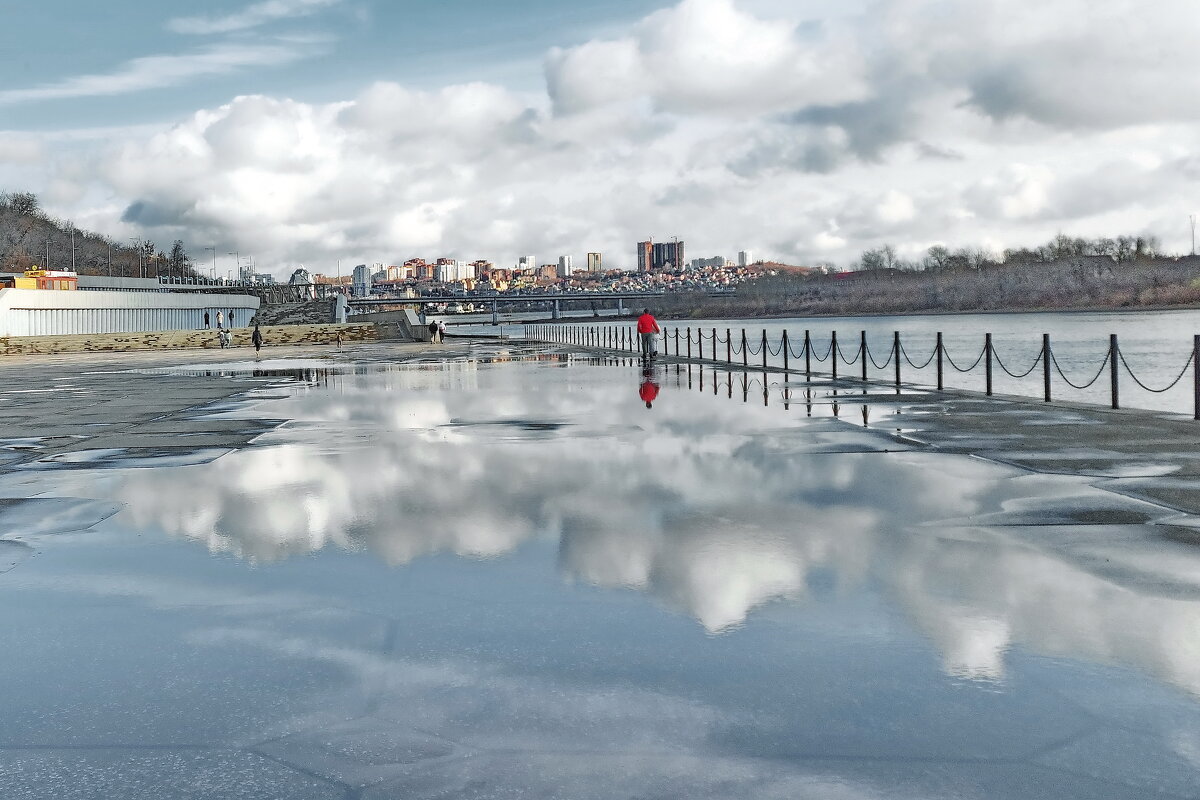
point(28, 235)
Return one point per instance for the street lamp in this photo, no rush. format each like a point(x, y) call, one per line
point(237, 261)
point(214, 269)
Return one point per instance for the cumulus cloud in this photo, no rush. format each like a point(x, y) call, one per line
point(725, 122)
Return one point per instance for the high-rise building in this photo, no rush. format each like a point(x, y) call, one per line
point(527, 262)
point(645, 256)
point(745, 258)
point(667, 256)
point(360, 281)
point(564, 266)
point(595, 262)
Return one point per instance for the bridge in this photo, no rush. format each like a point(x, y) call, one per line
point(555, 300)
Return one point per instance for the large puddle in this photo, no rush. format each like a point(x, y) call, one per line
point(506, 576)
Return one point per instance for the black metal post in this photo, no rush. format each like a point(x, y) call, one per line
point(833, 353)
point(987, 354)
point(745, 351)
point(783, 348)
point(939, 351)
point(1196, 373)
point(764, 355)
point(862, 351)
point(676, 341)
point(689, 344)
point(807, 356)
point(896, 353)
point(1046, 366)
point(1112, 365)
point(728, 347)
point(714, 332)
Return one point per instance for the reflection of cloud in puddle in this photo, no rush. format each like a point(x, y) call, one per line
point(713, 524)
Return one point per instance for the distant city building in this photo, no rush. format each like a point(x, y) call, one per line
point(667, 256)
point(645, 256)
point(745, 258)
point(300, 277)
point(595, 262)
point(360, 281)
point(564, 266)
point(716, 262)
point(527, 262)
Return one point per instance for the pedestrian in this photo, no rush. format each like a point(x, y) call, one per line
point(257, 338)
point(206, 319)
point(442, 331)
point(433, 332)
point(231, 318)
point(220, 320)
point(647, 327)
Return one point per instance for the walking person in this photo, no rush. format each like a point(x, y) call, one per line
point(220, 320)
point(441, 331)
point(206, 325)
point(647, 327)
point(433, 332)
point(257, 339)
point(231, 318)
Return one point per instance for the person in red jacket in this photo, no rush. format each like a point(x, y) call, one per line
point(647, 327)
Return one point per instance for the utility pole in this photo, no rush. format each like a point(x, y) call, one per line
point(46, 263)
point(73, 247)
point(110, 259)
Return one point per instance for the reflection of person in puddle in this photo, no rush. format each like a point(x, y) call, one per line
point(649, 389)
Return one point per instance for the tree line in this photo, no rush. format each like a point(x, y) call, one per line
point(939, 257)
point(29, 237)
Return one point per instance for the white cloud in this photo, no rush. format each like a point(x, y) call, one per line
point(160, 71)
point(721, 121)
point(250, 17)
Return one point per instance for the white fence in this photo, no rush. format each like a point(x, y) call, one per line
point(38, 312)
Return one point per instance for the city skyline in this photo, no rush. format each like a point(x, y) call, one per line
point(298, 130)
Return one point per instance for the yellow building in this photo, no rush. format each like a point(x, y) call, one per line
point(47, 279)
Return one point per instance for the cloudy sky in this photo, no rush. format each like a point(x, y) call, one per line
point(307, 131)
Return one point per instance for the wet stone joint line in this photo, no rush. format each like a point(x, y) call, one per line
point(548, 567)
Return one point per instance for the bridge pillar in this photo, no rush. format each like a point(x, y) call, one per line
point(620, 307)
point(554, 313)
point(495, 313)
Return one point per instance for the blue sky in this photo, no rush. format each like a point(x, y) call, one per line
point(317, 53)
point(308, 131)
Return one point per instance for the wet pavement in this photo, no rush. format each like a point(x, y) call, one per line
point(490, 570)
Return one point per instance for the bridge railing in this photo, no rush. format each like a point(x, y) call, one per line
point(709, 345)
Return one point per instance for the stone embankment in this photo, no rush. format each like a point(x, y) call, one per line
point(185, 339)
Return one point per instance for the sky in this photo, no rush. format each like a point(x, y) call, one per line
point(307, 132)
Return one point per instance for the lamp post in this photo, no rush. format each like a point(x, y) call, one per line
point(237, 262)
point(214, 268)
